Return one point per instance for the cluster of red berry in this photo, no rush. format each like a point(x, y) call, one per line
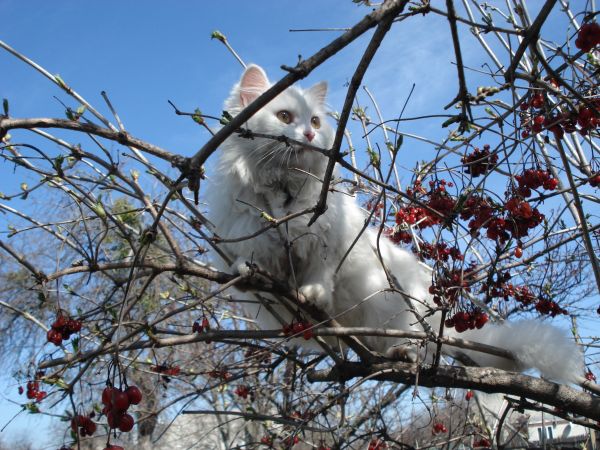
point(377, 444)
point(83, 424)
point(439, 427)
point(163, 369)
point(483, 442)
point(437, 199)
point(588, 36)
point(520, 218)
point(582, 120)
point(587, 118)
point(267, 440)
point(397, 235)
point(411, 215)
point(463, 320)
point(375, 207)
point(479, 162)
point(290, 441)
point(534, 179)
point(116, 403)
point(62, 328)
point(536, 101)
point(297, 327)
point(589, 375)
point(497, 286)
point(543, 305)
point(549, 307)
point(242, 391)
point(200, 327)
point(438, 252)
point(33, 391)
point(221, 374)
point(448, 287)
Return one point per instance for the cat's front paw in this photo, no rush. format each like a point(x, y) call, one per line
point(245, 270)
point(317, 294)
point(401, 353)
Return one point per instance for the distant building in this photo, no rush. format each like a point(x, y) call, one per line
point(546, 431)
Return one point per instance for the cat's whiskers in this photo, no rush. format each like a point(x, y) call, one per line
point(269, 156)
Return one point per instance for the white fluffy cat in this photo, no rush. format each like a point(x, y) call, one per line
point(259, 174)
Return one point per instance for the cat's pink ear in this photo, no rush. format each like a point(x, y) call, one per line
point(319, 91)
point(254, 82)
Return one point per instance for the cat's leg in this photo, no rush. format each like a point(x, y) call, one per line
point(317, 287)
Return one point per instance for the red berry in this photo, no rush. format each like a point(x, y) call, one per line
point(120, 400)
point(54, 336)
point(537, 101)
point(89, 426)
point(134, 395)
point(205, 323)
point(469, 395)
point(60, 322)
point(73, 325)
point(589, 375)
point(114, 418)
point(298, 327)
point(518, 252)
point(196, 327)
point(126, 423)
point(107, 395)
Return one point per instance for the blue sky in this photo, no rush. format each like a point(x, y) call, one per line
point(145, 53)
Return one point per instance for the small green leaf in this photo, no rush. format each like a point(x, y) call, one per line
point(267, 217)
point(98, 208)
point(373, 156)
point(31, 408)
point(225, 118)
point(61, 82)
point(218, 35)
point(491, 112)
point(452, 120)
point(197, 116)
point(399, 142)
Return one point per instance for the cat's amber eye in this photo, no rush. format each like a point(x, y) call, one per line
point(315, 122)
point(284, 116)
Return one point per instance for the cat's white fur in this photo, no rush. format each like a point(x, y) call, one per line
point(259, 174)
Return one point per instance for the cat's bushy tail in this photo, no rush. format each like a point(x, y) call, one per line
point(535, 345)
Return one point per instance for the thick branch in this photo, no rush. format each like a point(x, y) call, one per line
point(482, 379)
point(121, 137)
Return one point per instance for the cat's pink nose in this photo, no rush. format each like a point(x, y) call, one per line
point(310, 135)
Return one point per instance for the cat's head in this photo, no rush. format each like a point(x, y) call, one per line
point(299, 114)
